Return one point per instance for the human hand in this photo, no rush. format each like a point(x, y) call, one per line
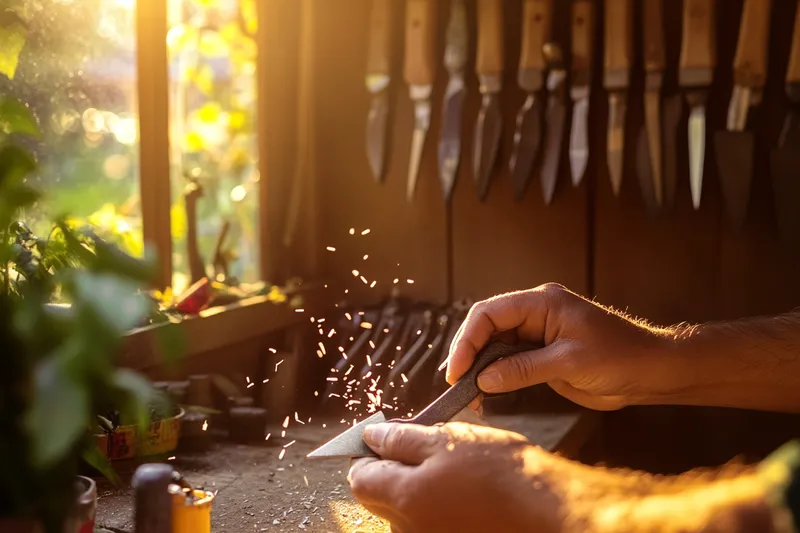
point(458, 477)
point(592, 355)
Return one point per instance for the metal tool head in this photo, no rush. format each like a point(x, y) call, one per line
point(697, 152)
point(652, 120)
point(421, 95)
point(644, 172)
point(487, 142)
point(555, 118)
point(450, 142)
point(349, 443)
point(527, 141)
point(616, 138)
point(579, 134)
point(734, 155)
point(377, 128)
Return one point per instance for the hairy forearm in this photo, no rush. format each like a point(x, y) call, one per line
point(753, 363)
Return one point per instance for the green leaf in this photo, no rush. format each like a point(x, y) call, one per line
point(112, 300)
point(59, 412)
point(141, 393)
point(12, 41)
point(15, 117)
point(101, 463)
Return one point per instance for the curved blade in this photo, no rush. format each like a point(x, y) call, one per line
point(616, 139)
point(450, 143)
point(579, 140)
point(377, 121)
point(697, 152)
point(652, 120)
point(487, 142)
point(734, 151)
point(422, 115)
point(527, 140)
point(556, 115)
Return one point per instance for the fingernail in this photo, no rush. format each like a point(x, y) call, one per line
point(375, 434)
point(490, 381)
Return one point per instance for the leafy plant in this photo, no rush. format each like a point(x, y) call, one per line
point(58, 367)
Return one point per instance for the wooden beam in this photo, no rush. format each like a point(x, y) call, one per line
point(154, 167)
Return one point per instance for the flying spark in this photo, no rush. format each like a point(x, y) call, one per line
point(372, 285)
point(348, 316)
point(299, 310)
point(278, 364)
point(285, 422)
point(282, 454)
point(405, 379)
point(366, 256)
point(322, 347)
point(355, 273)
point(267, 437)
point(205, 425)
point(352, 231)
point(273, 350)
point(366, 325)
point(251, 385)
point(409, 281)
point(331, 249)
point(365, 232)
point(289, 444)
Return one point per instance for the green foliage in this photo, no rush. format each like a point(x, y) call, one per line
point(58, 364)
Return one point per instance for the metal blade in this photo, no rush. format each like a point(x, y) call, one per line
point(422, 120)
point(556, 115)
point(377, 121)
point(527, 139)
point(350, 443)
point(734, 154)
point(487, 142)
point(616, 139)
point(644, 172)
point(579, 138)
point(652, 116)
point(697, 152)
point(673, 113)
point(450, 143)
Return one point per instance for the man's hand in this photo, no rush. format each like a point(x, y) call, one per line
point(591, 355)
point(465, 478)
point(456, 477)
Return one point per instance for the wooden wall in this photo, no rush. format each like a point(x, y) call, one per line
point(684, 265)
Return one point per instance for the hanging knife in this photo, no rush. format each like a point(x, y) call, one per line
point(420, 73)
point(378, 79)
point(697, 62)
point(650, 169)
point(455, 58)
point(489, 66)
point(537, 21)
point(555, 117)
point(734, 147)
point(582, 41)
point(618, 48)
point(786, 157)
point(351, 442)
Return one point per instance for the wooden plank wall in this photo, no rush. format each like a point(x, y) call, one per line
point(685, 265)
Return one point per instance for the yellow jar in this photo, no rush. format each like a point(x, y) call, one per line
point(194, 517)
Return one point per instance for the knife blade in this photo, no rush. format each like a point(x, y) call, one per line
point(734, 147)
point(419, 73)
point(351, 444)
point(555, 117)
point(785, 160)
point(582, 20)
point(378, 79)
point(651, 172)
point(455, 58)
point(489, 66)
point(696, 73)
point(536, 27)
point(616, 79)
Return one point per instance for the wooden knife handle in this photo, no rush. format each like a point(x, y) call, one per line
point(420, 64)
point(699, 46)
point(490, 37)
point(653, 36)
point(380, 38)
point(582, 35)
point(466, 389)
point(536, 26)
point(618, 42)
point(750, 63)
point(793, 71)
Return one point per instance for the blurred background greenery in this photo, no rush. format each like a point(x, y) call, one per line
point(73, 63)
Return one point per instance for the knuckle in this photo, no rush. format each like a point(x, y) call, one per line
point(552, 291)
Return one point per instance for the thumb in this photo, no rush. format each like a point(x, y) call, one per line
point(524, 370)
point(410, 444)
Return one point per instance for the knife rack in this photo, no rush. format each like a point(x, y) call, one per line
point(684, 265)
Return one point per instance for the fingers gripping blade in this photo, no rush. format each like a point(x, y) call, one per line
point(350, 443)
